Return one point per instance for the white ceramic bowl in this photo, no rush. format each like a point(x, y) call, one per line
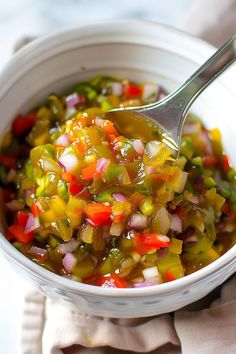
point(136, 50)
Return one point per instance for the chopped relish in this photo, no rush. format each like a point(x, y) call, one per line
point(108, 210)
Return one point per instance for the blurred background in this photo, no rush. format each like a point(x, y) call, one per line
point(36, 17)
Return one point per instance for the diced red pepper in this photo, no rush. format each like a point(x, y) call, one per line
point(8, 161)
point(22, 124)
point(22, 217)
point(85, 194)
point(144, 243)
point(225, 163)
point(18, 232)
point(131, 90)
point(209, 161)
point(76, 188)
point(35, 210)
point(169, 276)
point(112, 281)
point(98, 213)
point(88, 173)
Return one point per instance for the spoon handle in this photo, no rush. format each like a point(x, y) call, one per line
point(172, 110)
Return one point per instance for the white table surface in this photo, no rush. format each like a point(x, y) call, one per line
point(29, 17)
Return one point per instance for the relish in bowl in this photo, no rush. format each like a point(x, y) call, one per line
point(109, 210)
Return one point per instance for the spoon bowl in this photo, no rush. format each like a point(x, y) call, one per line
point(164, 120)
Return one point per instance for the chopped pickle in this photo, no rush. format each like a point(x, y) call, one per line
point(113, 210)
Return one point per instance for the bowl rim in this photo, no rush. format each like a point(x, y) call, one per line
point(22, 261)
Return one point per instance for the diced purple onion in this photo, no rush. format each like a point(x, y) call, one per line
point(72, 100)
point(203, 136)
point(119, 197)
point(150, 170)
point(69, 246)
point(15, 205)
point(138, 221)
point(176, 223)
point(90, 222)
point(143, 284)
point(32, 223)
point(27, 193)
point(68, 162)
point(162, 253)
point(102, 164)
point(99, 121)
point(190, 129)
point(138, 146)
point(69, 261)
point(38, 251)
point(63, 140)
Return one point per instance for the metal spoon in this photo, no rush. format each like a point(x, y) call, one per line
point(168, 115)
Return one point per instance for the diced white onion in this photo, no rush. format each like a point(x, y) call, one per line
point(138, 221)
point(38, 251)
point(116, 88)
point(163, 238)
point(150, 273)
point(176, 223)
point(32, 223)
point(152, 148)
point(138, 146)
point(116, 228)
point(150, 92)
point(69, 246)
point(63, 140)
point(69, 162)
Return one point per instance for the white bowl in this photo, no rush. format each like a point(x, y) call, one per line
point(136, 50)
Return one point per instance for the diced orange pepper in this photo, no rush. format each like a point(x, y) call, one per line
point(89, 172)
point(68, 177)
point(35, 210)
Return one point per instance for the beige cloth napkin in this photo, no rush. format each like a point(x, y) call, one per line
point(51, 328)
